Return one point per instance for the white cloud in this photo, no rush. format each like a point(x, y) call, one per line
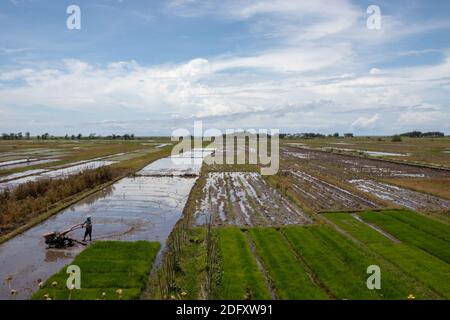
point(293, 59)
point(221, 87)
point(364, 123)
point(312, 73)
point(15, 74)
point(416, 119)
point(375, 71)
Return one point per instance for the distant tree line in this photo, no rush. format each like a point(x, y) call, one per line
point(15, 136)
point(311, 135)
point(47, 136)
point(418, 134)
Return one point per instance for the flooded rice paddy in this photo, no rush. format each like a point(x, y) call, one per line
point(139, 208)
point(404, 197)
point(347, 167)
point(370, 153)
point(322, 195)
point(361, 173)
point(6, 165)
point(59, 173)
point(245, 199)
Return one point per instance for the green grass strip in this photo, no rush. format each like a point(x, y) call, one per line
point(287, 273)
point(106, 266)
point(426, 224)
point(342, 271)
point(357, 229)
point(428, 275)
point(409, 234)
point(240, 271)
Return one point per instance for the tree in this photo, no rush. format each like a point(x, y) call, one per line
point(396, 138)
point(348, 135)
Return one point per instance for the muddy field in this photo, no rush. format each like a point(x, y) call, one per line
point(321, 195)
point(349, 167)
point(313, 175)
point(244, 199)
point(428, 151)
point(404, 197)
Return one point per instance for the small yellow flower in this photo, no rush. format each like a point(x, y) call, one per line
point(103, 294)
point(411, 297)
point(8, 278)
point(13, 292)
point(40, 284)
point(184, 294)
point(119, 291)
point(54, 284)
point(46, 295)
point(48, 298)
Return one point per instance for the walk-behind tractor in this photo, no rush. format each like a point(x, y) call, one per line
point(61, 239)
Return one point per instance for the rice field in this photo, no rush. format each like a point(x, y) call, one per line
point(309, 232)
point(325, 262)
point(245, 199)
point(110, 270)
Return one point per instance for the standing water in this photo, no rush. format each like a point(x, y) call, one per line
point(142, 208)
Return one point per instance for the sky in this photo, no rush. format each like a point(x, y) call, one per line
point(149, 67)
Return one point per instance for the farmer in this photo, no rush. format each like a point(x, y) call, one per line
point(88, 225)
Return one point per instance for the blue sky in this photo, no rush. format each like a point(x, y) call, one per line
point(149, 67)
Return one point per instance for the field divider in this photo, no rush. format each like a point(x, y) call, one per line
point(314, 278)
point(269, 282)
point(374, 227)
